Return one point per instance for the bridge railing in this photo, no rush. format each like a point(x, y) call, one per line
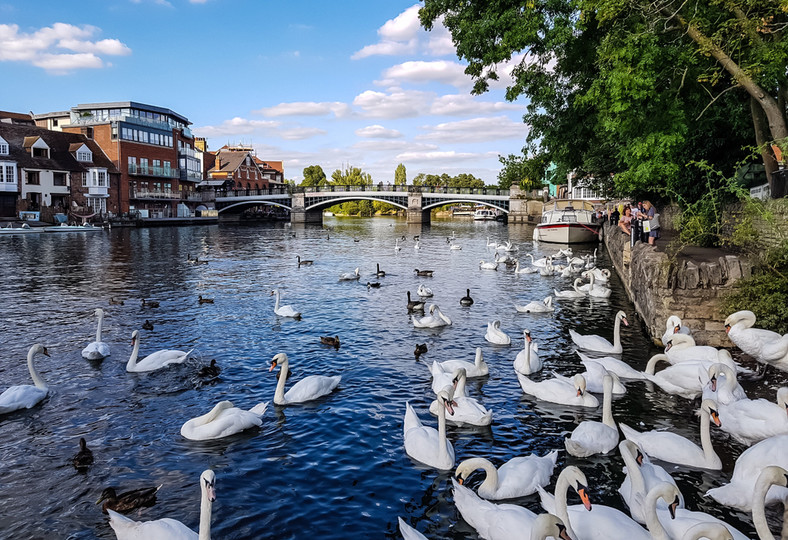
point(380, 187)
point(253, 192)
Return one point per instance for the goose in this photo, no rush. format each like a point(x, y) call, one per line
point(147, 325)
point(769, 478)
point(594, 522)
point(425, 444)
point(431, 320)
point(127, 529)
point(600, 344)
point(307, 389)
point(575, 293)
point(545, 306)
point(674, 326)
point(284, 311)
point(560, 391)
point(614, 365)
point(97, 350)
point(674, 448)
point(375, 285)
point(467, 410)
point(525, 270)
point(488, 265)
point(726, 392)
point(222, 421)
point(764, 345)
point(396, 245)
point(84, 458)
point(202, 300)
point(209, 371)
point(408, 532)
point(26, 396)
point(686, 379)
point(595, 375)
point(421, 348)
point(353, 276)
point(302, 262)
point(518, 477)
point(114, 302)
point(330, 341)
point(477, 368)
point(591, 437)
point(738, 492)
point(466, 300)
point(682, 348)
point(495, 335)
point(129, 500)
point(379, 272)
point(527, 361)
point(424, 291)
point(150, 303)
point(641, 477)
point(153, 361)
point(415, 305)
point(752, 420)
point(538, 262)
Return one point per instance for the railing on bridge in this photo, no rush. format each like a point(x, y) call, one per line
point(367, 187)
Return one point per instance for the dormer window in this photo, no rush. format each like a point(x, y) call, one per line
point(39, 148)
point(3, 147)
point(84, 154)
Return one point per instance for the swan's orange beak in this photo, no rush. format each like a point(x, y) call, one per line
point(563, 535)
point(713, 384)
point(668, 346)
point(449, 407)
point(579, 392)
point(584, 497)
point(727, 328)
point(45, 352)
point(715, 416)
point(273, 365)
point(676, 329)
point(624, 320)
point(672, 507)
point(639, 458)
point(460, 480)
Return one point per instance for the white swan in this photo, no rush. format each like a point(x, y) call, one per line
point(153, 361)
point(592, 288)
point(527, 361)
point(467, 410)
point(600, 344)
point(351, 276)
point(518, 477)
point(769, 477)
point(424, 291)
point(752, 420)
point(454, 247)
point(560, 391)
point(538, 262)
point(591, 437)
point(26, 396)
point(674, 448)
point(408, 532)
point(167, 528)
point(574, 293)
point(545, 306)
point(708, 530)
point(525, 270)
point(614, 365)
point(595, 376)
point(738, 492)
point(431, 320)
point(223, 420)
point(641, 477)
point(548, 269)
point(441, 379)
point(396, 245)
point(425, 444)
point(417, 245)
point(495, 335)
point(686, 379)
point(674, 326)
point(284, 311)
point(488, 265)
point(309, 388)
point(492, 243)
point(601, 275)
point(97, 350)
point(682, 348)
point(477, 368)
point(727, 391)
point(763, 345)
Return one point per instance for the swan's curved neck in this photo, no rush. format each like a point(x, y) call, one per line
point(98, 328)
point(758, 511)
point(479, 359)
point(37, 380)
point(443, 452)
point(633, 471)
point(205, 515)
point(616, 328)
point(607, 403)
point(652, 520)
point(491, 480)
point(279, 394)
point(460, 389)
point(132, 363)
point(705, 438)
point(651, 367)
point(561, 489)
point(276, 307)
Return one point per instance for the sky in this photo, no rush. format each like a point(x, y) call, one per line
point(339, 84)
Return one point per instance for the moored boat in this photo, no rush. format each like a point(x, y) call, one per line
point(485, 214)
point(568, 221)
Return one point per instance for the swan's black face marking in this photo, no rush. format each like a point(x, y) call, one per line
point(45, 352)
point(209, 487)
point(676, 329)
point(639, 458)
point(715, 416)
point(727, 328)
point(672, 507)
point(669, 345)
point(581, 490)
point(713, 383)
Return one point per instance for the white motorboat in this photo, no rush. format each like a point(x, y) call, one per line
point(485, 214)
point(568, 221)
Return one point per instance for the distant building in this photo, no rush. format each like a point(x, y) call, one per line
point(16, 118)
point(236, 167)
point(581, 188)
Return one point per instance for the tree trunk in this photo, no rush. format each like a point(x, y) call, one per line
point(761, 138)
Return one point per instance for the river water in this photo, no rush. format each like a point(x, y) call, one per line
point(333, 468)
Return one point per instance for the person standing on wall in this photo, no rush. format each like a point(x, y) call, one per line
point(650, 221)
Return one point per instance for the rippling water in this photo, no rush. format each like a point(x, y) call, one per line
point(334, 468)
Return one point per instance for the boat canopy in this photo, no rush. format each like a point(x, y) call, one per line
point(563, 204)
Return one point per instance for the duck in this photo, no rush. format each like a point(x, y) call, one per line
point(150, 303)
point(431, 320)
point(524, 270)
point(527, 361)
point(302, 262)
point(114, 302)
point(421, 348)
point(202, 300)
point(209, 371)
point(560, 391)
point(769, 478)
point(307, 389)
point(128, 500)
point(222, 421)
point(495, 335)
point(423, 273)
point(591, 437)
point(574, 293)
point(600, 344)
point(26, 396)
point(379, 272)
point(477, 368)
point(153, 361)
point(614, 365)
point(425, 444)
point(488, 265)
point(375, 285)
point(147, 325)
point(545, 306)
point(518, 477)
point(640, 477)
point(726, 392)
point(764, 345)
point(353, 276)
point(674, 448)
point(97, 350)
point(466, 300)
point(467, 410)
point(424, 291)
point(674, 326)
point(415, 305)
point(752, 420)
point(284, 311)
point(128, 529)
point(84, 458)
point(331, 341)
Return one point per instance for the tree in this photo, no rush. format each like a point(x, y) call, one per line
point(400, 177)
point(528, 173)
point(314, 177)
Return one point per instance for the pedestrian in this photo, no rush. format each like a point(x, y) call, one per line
point(650, 222)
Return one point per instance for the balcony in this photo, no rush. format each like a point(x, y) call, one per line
point(154, 195)
point(162, 172)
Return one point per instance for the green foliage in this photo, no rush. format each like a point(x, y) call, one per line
point(400, 175)
point(528, 173)
point(314, 176)
point(462, 180)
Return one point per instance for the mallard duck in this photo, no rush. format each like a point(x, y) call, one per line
point(205, 300)
point(114, 302)
point(328, 340)
point(127, 501)
point(427, 273)
point(420, 349)
point(84, 458)
point(147, 325)
point(209, 371)
point(149, 303)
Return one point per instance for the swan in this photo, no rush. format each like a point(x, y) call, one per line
point(545, 306)
point(674, 326)
point(674, 448)
point(455, 247)
point(491, 244)
point(538, 262)
point(467, 410)
point(477, 368)
point(595, 375)
point(601, 275)
point(97, 350)
point(682, 348)
point(466, 300)
point(600, 344)
point(441, 379)
point(591, 437)
point(396, 245)
point(431, 320)
point(560, 391)
point(527, 361)
point(307, 389)
point(495, 335)
point(592, 288)
point(575, 293)
point(614, 365)
point(770, 476)
point(594, 522)
point(352, 276)
point(153, 361)
point(284, 311)
point(726, 392)
point(408, 532)
point(416, 245)
point(752, 420)
point(128, 529)
point(738, 492)
point(415, 305)
point(425, 444)
point(223, 420)
point(518, 477)
point(709, 530)
point(686, 379)
point(548, 269)
point(26, 396)
point(641, 477)
point(488, 265)
point(764, 345)
point(526, 270)
point(424, 291)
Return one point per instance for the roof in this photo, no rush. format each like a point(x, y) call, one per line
point(211, 183)
point(230, 161)
point(132, 105)
point(267, 164)
point(19, 117)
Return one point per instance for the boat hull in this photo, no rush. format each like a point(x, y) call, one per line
point(566, 233)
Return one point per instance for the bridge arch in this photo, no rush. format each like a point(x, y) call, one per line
point(245, 204)
point(339, 200)
point(444, 202)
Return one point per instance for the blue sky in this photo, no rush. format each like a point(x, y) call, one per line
point(335, 84)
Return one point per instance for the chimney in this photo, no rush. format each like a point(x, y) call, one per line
point(218, 164)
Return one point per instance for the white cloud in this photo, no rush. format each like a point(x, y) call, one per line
point(475, 130)
point(306, 108)
point(378, 132)
point(390, 146)
point(397, 103)
point(301, 133)
point(448, 157)
point(237, 126)
point(465, 104)
point(442, 71)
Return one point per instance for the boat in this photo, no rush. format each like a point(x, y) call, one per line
point(462, 210)
point(63, 227)
point(568, 221)
point(18, 229)
point(485, 214)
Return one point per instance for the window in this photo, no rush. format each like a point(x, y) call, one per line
point(3, 147)
point(41, 152)
point(8, 173)
point(144, 165)
point(157, 163)
point(59, 178)
point(83, 154)
point(84, 176)
point(97, 204)
point(132, 164)
point(102, 178)
point(32, 177)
